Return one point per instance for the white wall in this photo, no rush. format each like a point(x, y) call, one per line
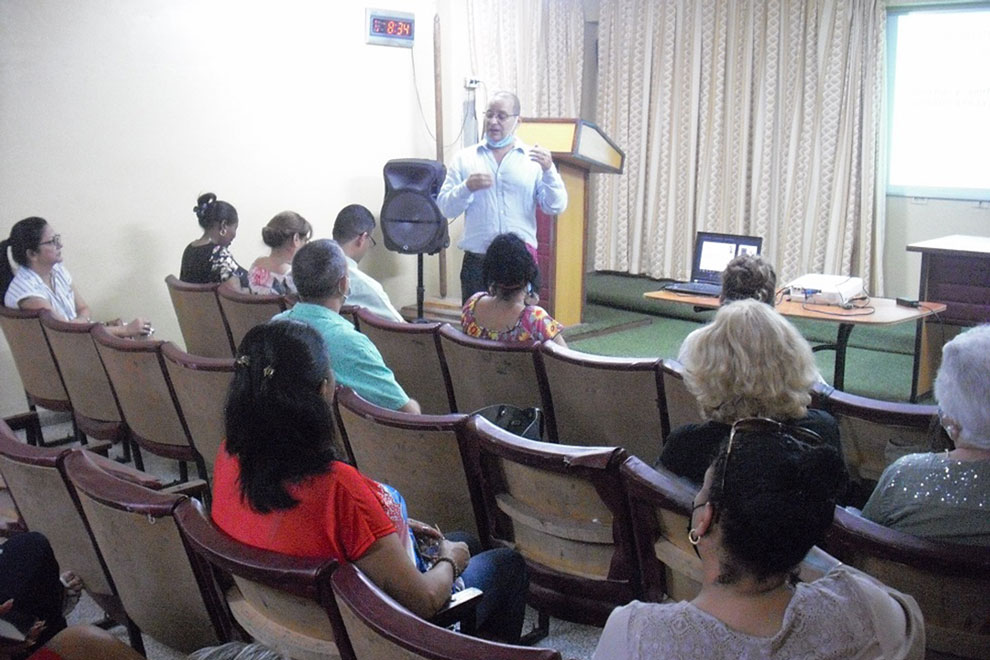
point(116, 114)
point(912, 220)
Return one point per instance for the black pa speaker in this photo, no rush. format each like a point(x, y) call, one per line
point(411, 221)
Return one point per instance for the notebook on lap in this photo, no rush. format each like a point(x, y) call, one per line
point(712, 252)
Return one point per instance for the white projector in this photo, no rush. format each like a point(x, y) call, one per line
point(826, 289)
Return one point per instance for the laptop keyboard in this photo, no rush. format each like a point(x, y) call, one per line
point(695, 288)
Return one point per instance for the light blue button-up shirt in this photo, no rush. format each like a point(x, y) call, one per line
point(509, 205)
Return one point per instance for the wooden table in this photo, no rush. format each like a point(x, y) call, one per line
point(956, 270)
point(885, 312)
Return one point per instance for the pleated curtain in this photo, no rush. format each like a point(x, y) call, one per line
point(742, 116)
point(534, 48)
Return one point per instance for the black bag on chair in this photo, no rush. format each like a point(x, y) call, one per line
point(524, 422)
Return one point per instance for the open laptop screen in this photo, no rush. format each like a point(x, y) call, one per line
point(712, 252)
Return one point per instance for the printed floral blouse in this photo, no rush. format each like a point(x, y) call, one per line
point(534, 324)
point(264, 281)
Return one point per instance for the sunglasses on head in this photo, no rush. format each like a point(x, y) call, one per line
point(766, 425)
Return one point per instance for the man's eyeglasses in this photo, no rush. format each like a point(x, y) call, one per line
point(55, 241)
point(374, 243)
point(500, 116)
point(766, 425)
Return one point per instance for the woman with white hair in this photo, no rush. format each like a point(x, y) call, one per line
point(748, 362)
point(945, 496)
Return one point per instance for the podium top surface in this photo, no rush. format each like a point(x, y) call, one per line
point(574, 141)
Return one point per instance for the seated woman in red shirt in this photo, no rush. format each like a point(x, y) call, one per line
point(508, 310)
point(278, 485)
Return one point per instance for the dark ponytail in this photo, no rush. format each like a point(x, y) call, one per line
point(276, 418)
point(6, 272)
point(24, 235)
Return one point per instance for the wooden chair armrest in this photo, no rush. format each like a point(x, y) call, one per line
point(125, 472)
point(461, 607)
point(193, 488)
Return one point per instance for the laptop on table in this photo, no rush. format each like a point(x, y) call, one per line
point(712, 253)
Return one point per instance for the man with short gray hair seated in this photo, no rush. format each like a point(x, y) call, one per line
point(320, 273)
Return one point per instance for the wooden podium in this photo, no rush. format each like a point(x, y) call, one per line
point(579, 148)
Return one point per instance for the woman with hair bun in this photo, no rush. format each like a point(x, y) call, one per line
point(208, 258)
point(42, 282)
point(508, 311)
point(766, 500)
point(284, 234)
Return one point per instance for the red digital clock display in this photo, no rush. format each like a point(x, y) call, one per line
point(391, 27)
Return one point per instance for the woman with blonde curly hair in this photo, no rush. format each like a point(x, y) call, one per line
point(749, 362)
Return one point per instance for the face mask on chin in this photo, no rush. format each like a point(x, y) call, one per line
point(507, 140)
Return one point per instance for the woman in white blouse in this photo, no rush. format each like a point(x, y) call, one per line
point(767, 498)
point(42, 282)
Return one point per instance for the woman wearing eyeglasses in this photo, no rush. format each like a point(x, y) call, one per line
point(284, 234)
point(766, 500)
point(748, 362)
point(42, 282)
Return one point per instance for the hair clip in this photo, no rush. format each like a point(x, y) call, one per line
point(243, 360)
point(268, 371)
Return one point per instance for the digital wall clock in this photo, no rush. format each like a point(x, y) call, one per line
point(389, 28)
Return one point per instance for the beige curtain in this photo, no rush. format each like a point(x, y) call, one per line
point(532, 47)
point(742, 116)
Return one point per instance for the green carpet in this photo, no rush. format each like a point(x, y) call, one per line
point(626, 292)
point(878, 363)
point(662, 337)
point(599, 319)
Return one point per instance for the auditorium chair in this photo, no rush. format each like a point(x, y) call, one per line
point(204, 328)
point(876, 433)
point(38, 371)
point(200, 386)
point(419, 455)
point(412, 352)
point(378, 627)
point(46, 502)
point(284, 602)
point(681, 406)
point(605, 401)
point(563, 508)
point(135, 530)
point(951, 582)
point(349, 312)
point(147, 399)
point(243, 311)
point(484, 373)
point(660, 507)
point(94, 403)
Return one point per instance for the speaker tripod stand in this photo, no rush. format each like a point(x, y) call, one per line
point(420, 289)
